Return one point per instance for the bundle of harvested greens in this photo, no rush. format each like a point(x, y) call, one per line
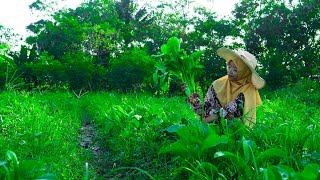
point(179, 64)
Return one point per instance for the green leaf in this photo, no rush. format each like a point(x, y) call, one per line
point(30, 167)
point(160, 56)
point(213, 140)
point(173, 128)
point(174, 45)
point(155, 77)
point(271, 174)
point(11, 156)
point(38, 134)
point(119, 109)
point(208, 167)
point(283, 171)
point(47, 177)
point(289, 169)
point(160, 66)
point(156, 121)
point(135, 122)
point(196, 55)
point(164, 82)
point(187, 91)
point(164, 49)
point(310, 172)
point(246, 149)
point(270, 155)
point(198, 66)
point(125, 133)
point(177, 148)
point(2, 163)
point(235, 159)
point(279, 172)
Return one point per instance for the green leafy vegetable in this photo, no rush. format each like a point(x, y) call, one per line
point(179, 64)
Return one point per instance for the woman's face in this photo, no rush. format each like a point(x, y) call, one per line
point(232, 71)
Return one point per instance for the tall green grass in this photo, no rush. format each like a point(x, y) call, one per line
point(43, 127)
point(145, 137)
point(131, 128)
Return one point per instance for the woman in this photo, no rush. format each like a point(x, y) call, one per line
point(234, 95)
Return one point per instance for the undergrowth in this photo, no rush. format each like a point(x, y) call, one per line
point(160, 138)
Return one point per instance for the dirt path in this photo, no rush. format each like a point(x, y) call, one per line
point(88, 140)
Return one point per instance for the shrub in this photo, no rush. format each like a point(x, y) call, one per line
point(44, 72)
point(133, 69)
point(8, 69)
point(79, 69)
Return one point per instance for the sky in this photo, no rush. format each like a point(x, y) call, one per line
point(16, 14)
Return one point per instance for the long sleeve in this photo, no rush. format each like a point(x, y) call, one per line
point(234, 109)
point(213, 106)
point(196, 105)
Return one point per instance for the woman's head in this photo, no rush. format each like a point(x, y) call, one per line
point(245, 63)
point(237, 70)
point(232, 71)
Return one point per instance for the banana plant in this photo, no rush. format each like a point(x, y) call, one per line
point(179, 64)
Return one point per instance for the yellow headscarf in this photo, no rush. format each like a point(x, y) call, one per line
point(227, 91)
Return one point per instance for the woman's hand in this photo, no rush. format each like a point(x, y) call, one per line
point(210, 118)
point(183, 86)
point(194, 97)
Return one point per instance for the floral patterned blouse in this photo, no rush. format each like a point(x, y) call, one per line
point(212, 106)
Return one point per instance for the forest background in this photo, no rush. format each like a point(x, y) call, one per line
point(98, 43)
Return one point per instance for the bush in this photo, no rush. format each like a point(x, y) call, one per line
point(45, 72)
point(133, 69)
point(99, 78)
point(8, 77)
point(44, 75)
point(79, 69)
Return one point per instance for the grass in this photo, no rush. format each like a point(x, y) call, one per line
point(132, 132)
point(130, 127)
point(43, 127)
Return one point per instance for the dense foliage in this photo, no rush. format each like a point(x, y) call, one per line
point(284, 35)
point(80, 46)
point(140, 136)
point(72, 72)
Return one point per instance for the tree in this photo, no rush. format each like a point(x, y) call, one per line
point(133, 70)
point(282, 35)
point(63, 35)
point(90, 28)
